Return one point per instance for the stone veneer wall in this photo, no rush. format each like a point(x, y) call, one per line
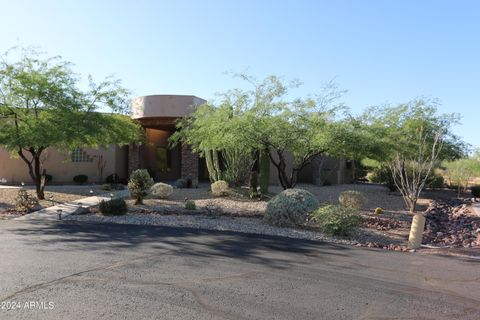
point(133, 157)
point(189, 165)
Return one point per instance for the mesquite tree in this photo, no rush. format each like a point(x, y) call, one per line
point(412, 139)
point(264, 118)
point(41, 106)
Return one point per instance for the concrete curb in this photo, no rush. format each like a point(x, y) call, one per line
point(476, 208)
point(74, 207)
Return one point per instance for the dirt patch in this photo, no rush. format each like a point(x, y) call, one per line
point(53, 195)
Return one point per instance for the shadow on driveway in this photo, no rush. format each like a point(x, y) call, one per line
point(267, 250)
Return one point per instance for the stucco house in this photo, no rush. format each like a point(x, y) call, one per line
point(157, 114)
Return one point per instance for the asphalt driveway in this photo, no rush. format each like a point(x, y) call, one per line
point(103, 271)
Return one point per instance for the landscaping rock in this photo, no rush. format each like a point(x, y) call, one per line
point(451, 224)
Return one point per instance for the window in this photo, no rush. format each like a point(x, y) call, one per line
point(80, 155)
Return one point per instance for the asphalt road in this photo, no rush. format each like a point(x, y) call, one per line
point(101, 271)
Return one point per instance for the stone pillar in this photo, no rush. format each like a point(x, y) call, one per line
point(189, 165)
point(133, 157)
point(135, 151)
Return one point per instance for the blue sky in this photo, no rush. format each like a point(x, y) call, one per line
point(380, 51)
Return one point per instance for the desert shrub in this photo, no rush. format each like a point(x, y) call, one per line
point(290, 208)
point(352, 198)
point(336, 220)
point(162, 190)
point(80, 179)
point(113, 178)
point(435, 181)
point(384, 176)
point(181, 183)
point(475, 191)
point(219, 188)
point(190, 205)
point(114, 207)
point(213, 210)
point(106, 187)
point(24, 201)
point(378, 210)
point(139, 184)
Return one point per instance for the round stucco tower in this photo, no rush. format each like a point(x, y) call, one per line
point(157, 114)
point(164, 106)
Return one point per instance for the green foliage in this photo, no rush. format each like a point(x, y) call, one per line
point(400, 130)
point(435, 181)
point(80, 179)
point(475, 191)
point(353, 199)
point(336, 220)
point(238, 164)
point(113, 207)
point(411, 140)
point(106, 187)
point(382, 175)
point(42, 106)
point(139, 184)
point(190, 205)
point(220, 188)
point(378, 210)
point(24, 202)
point(162, 190)
point(264, 119)
point(290, 208)
point(459, 172)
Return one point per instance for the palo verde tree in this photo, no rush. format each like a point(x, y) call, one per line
point(412, 139)
point(42, 106)
point(264, 118)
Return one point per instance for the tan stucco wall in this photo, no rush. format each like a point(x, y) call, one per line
point(175, 106)
point(59, 165)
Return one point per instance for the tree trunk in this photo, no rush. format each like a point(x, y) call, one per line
point(39, 177)
point(35, 170)
point(412, 205)
point(281, 166)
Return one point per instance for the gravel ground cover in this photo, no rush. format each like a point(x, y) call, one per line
point(239, 213)
point(59, 194)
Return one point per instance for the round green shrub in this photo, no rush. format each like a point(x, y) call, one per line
point(290, 208)
point(190, 205)
point(384, 176)
point(352, 198)
point(219, 188)
point(106, 187)
point(139, 184)
point(114, 207)
point(162, 190)
point(336, 220)
point(435, 181)
point(80, 179)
